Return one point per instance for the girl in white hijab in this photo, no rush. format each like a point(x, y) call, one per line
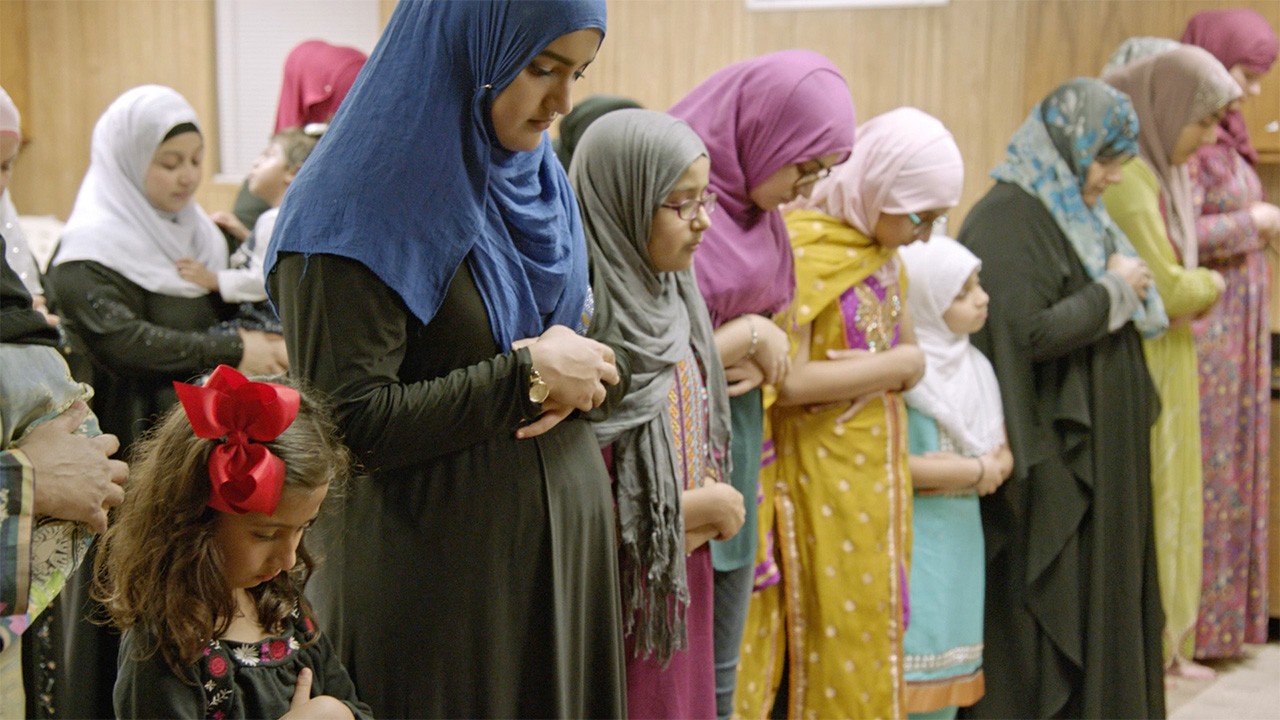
point(118, 290)
point(958, 453)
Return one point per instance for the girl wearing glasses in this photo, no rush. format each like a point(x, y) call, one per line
point(641, 178)
point(772, 125)
point(839, 425)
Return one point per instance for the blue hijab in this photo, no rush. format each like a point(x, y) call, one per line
point(410, 179)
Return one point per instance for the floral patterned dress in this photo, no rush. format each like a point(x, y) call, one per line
point(1233, 343)
point(233, 679)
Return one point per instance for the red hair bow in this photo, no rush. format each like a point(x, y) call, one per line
point(245, 476)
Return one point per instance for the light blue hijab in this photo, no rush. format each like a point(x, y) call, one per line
point(410, 179)
point(1049, 157)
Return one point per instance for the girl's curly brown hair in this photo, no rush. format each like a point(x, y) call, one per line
point(158, 570)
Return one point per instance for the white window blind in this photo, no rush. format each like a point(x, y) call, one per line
point(253, 38)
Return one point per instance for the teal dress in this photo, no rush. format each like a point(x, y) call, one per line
point(943, 643)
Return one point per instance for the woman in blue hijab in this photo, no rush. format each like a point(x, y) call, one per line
point(430, 270)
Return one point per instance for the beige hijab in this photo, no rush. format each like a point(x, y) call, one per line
point(1170, 91)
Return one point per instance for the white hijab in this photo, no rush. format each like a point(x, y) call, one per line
point(959, 388)
point(113, 222)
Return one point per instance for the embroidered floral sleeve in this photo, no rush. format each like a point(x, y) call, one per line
point(1224, 188)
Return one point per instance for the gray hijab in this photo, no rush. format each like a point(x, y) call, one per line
point(624, 166)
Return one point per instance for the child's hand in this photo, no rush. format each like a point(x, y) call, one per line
point(992, 476)
point(304, 706)
point(194, 272)
point(230, 224)
point(263, 354)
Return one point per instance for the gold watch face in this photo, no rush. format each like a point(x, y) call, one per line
point(538, 389)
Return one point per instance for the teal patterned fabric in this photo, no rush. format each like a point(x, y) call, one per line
point(36, 387)
point(1049, 157)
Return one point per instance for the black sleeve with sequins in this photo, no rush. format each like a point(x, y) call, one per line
point(132, 330)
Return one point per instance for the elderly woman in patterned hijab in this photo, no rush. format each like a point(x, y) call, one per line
point(1073, 619)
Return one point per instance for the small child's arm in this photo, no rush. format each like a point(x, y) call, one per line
point(194, 272)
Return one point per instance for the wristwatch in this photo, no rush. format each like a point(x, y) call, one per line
point(538, 390)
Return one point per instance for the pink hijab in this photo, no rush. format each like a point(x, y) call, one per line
point(1170, 91)
point(1236, 37)
point(906, 161)
point(317, 77)
point(755, 118)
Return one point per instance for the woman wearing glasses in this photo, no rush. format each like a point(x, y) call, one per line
point(839, 424)
point(641, 178)
point(772, 126)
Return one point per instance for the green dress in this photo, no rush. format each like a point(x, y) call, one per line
point(1176, 470)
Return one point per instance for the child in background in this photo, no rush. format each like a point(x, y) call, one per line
point(959, 452)
point(243, 281)
point(204, 566)
point(641, 180)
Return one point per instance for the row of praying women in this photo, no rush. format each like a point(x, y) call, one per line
point(693, 415)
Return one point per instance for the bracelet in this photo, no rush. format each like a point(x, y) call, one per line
point(982, 470)
point(755, 338)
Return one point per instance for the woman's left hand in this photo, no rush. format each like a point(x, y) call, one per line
point(743, 376)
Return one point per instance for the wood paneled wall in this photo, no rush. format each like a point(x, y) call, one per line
point(976, 64)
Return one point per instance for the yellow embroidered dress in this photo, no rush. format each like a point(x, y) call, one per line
point(840, 511)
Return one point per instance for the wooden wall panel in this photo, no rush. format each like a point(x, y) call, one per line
point(961, 62)
point(13, 56)
point(976, 64)
point(82, 55)
point(1066, 38)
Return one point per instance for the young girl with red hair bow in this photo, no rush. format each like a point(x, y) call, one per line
point(204, 565)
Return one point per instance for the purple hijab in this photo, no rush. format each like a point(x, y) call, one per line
point(755, 118)
point(1236, 37)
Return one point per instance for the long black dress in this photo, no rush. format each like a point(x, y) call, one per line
point(140, 342)
point(475, 574)
point(1073, 614)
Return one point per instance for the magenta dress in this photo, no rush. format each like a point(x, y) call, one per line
point(685, 688)
point(1234, 346)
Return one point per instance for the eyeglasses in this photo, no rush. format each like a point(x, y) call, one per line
point(809, 177)
point(921, 227)
point(688, 210)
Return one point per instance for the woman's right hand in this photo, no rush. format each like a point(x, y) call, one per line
point(1133, 271)
point(731, 512)
point(575, 369)
point(264, 353)
point(1266, 217)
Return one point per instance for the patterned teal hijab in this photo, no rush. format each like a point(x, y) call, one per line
point(1049, 157)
